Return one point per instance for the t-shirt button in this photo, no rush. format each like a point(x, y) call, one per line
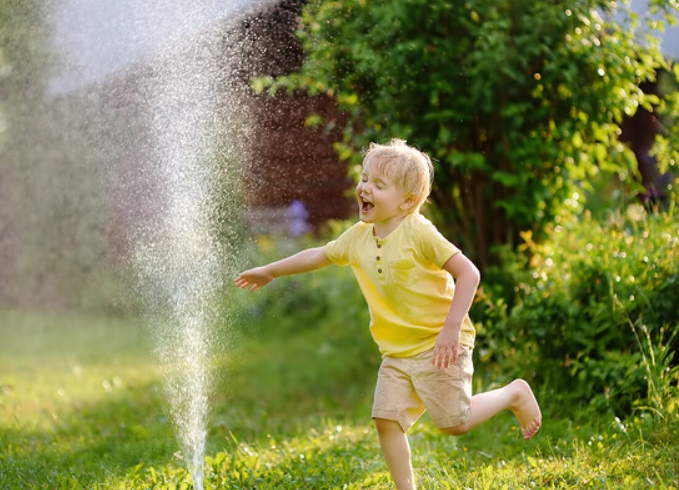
point(379, 245)
point(379, 270)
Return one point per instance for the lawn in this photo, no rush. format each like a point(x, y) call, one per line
point(82, 406)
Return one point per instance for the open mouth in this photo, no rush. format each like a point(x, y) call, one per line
point(366, 206)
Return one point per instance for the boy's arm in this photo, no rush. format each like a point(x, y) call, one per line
point(304, 261)
point(467, 279)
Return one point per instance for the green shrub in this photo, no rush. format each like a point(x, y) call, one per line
point(592, 314)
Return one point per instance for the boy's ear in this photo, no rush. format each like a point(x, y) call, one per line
point(408, 202)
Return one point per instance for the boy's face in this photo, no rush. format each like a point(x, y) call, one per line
point(380, 199)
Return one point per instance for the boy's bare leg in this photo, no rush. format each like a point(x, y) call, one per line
point(396, 450)
point(517, 396)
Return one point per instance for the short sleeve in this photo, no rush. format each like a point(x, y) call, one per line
point(337, 250)
point(435, 247)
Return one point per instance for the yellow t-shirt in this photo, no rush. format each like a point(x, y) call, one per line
point(401, 276)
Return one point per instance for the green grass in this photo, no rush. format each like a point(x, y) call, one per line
point(80, 401)
point(82, 406)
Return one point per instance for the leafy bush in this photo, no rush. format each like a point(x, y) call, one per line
point(592, 315)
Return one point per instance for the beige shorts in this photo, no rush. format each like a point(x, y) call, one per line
point(409, 386)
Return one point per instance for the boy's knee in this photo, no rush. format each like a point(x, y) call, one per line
point(386, 425)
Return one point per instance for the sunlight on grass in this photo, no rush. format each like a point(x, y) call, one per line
point(50, 366)
point(79, 400)
point(334, 456)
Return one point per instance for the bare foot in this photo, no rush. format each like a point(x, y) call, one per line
point(525, 408)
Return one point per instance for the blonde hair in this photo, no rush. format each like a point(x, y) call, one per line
point(408, 167)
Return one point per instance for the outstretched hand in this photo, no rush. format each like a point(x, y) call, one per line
point(254, 279)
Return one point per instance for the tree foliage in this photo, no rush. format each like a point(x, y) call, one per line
point(517, 101)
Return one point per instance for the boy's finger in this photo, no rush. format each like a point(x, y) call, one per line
point(436, 358)
point(453, 356)
point(440, 361)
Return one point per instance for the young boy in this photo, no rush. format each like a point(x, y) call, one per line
point(419, 316)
